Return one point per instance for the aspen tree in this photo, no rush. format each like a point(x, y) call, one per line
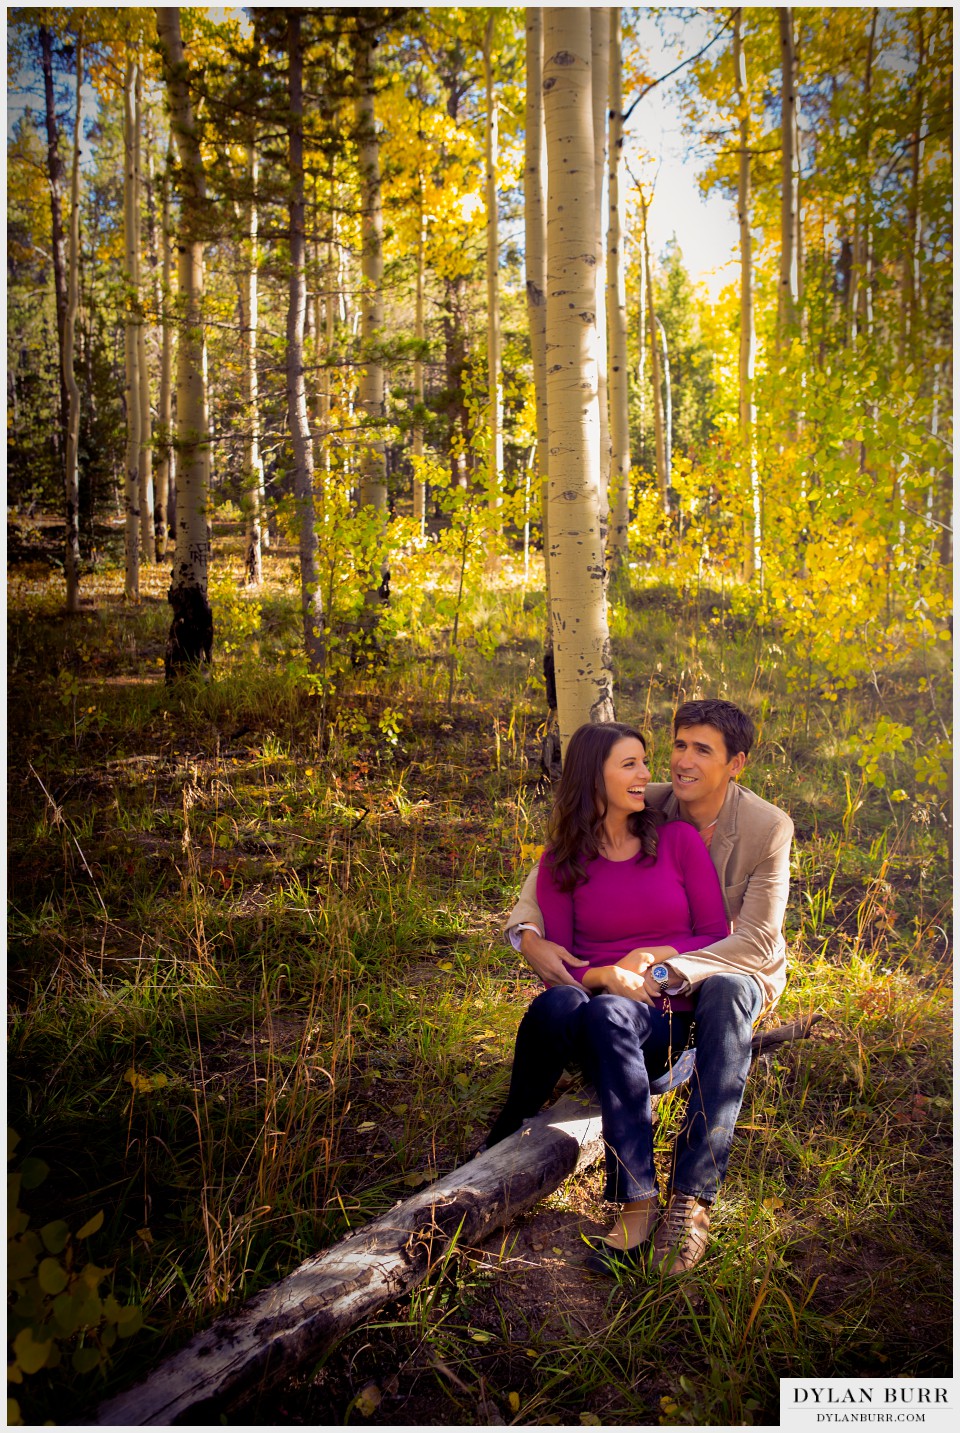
point(373, 467)
point(131, 347)
point(148, 542)
point(160, 484)
point(581, 641)
point(667, 408)
point(494, 376)
point(252, 474)
point(166, 464)
point(618, 386)
point(658, 424)
point(599, 71)
point(191, 631)
point(748, 340)
point(788, 291)
point(55, 176)
point(419, 503)
point(72, 485)
point(311, 604)
point(861, 304)
point(535, 249)
point(913, 248)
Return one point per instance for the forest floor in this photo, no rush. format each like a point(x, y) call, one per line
point(259, 993)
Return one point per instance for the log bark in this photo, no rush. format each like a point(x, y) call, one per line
point(297, 1319)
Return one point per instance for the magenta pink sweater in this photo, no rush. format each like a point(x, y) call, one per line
point(674, 900)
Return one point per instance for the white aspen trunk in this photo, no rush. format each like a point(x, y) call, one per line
point(494, 377)
point(787, 294)
point(655, 376)
point(861, 302)
point(166, 466)
point(599, 77)
point(373, 470)
point(642, 358)
point(617, 311)
point(72, 477)
point(535, 232)
point(311, 603)
point(668, 407)
point(148, 541)
point(131, 375)
point(419, 494)
point(330, 304)
point(191, 632)
point(914, 246)
point(252, 475)
point(581, 640)
point(159, 476)
point(748, 342)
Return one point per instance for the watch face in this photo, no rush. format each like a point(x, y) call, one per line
point(660, 974)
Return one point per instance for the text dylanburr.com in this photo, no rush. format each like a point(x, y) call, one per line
point(848, 1403)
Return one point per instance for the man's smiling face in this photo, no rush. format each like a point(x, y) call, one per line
point(700, 768)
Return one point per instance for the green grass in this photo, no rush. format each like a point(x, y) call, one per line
point(258, 994)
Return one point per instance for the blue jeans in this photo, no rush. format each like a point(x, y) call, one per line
point(622, 1046)
point(627, 1043)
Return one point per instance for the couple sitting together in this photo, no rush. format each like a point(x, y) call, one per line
point(653, 906)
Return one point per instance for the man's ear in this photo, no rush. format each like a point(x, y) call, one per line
point(737, 764)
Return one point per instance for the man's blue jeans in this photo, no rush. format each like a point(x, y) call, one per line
point(623, 1045)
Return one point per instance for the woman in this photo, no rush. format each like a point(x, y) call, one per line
point(619, 890)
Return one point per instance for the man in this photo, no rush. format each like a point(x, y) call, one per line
point(734, 981)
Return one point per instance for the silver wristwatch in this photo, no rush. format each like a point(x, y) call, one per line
point(661, 975)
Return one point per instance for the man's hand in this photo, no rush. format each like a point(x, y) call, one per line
point(546, 958)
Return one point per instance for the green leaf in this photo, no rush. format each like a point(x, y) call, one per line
point(52, 1276)
point(130, 1320)
point(89, 1311)
point(91, 1226)
point(33, 1172)
point(55, 1236)
point(85, 1360)
point(22, 1256)
point(31, 1355)
point(65, 1313)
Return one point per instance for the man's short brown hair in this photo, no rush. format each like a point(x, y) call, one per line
point(736, 728)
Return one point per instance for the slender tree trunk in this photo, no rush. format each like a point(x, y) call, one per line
point(862, 305)
point(131, 348)
point(191, 632)
point(160, 479)
point(373, 469)
point(617, 311)
point(252, 476)
point(310, 594)
point(72, 484)
point(655, 376)
point(913, 248)
point(787, 298)
point(667, 407)
point(55, 176)
point(419, 503)
point(494, 378)
point(599, 80)
point(535, 229)
point(148, 543)
point(578, 602)
point(166, 467)
point(752, 546)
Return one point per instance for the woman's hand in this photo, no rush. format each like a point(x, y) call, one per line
point(547, 958)
point(618, 980)
point(644, 956)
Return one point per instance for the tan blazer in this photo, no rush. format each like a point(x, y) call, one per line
point(751, 853)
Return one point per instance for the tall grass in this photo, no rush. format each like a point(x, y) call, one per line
point(258, 994)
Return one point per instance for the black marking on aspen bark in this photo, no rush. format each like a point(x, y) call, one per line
point(563, 57)
point(588, 316)
point(535, 294)
point(549, 83)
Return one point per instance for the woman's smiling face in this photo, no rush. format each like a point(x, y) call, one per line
point(625, 776)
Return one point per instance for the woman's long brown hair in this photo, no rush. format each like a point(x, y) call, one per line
point(575, 828)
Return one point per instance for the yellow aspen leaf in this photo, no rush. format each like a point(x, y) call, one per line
point(513, 1400)
point(368, 1400)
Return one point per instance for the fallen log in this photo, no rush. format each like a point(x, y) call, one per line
point(295, 1321)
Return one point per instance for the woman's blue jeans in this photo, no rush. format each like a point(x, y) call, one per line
point(623, 1045)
